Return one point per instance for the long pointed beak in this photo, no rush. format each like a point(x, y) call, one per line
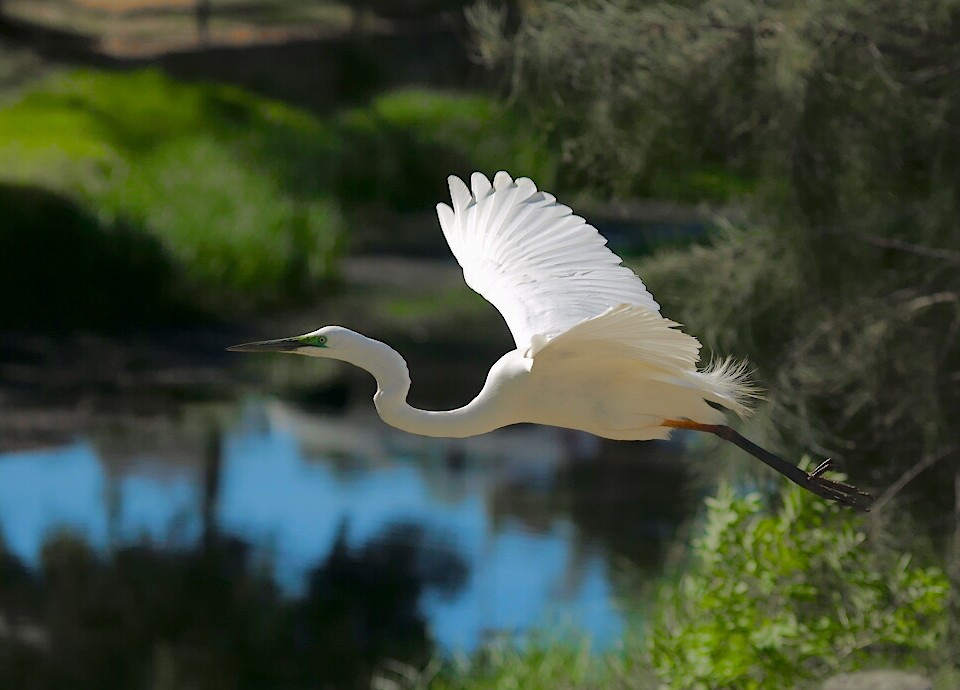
point(281, 345)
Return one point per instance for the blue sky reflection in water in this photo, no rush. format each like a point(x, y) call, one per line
point(288, 496)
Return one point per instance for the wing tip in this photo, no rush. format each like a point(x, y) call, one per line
point(459, 193)
point(480, 184)
point(503, 180)
point(444, 213)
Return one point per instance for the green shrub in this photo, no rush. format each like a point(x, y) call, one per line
point(771, 599)
point(237, 230)
point(833, 96)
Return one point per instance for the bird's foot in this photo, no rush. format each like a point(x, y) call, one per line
point(840, 492)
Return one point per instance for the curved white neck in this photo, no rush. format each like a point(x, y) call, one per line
point(393, 383)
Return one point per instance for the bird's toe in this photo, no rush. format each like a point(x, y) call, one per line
point(838, 491)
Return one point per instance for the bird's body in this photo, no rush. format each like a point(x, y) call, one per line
point(553, 386)
point(592, 350)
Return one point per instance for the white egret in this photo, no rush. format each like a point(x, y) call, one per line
point(593, 351)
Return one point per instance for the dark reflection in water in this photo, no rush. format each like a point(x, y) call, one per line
point(211, 617)
point(302, 550)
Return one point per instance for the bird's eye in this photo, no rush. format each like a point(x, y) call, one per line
point(321, 340)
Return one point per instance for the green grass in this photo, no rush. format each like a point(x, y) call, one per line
point(212, 174)
point(455, 302)
point(245, 199)
point(542, 664)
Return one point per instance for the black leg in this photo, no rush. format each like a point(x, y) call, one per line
point(811, 481)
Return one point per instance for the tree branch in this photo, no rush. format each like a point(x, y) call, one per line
point(900, 245)
point(908, 476)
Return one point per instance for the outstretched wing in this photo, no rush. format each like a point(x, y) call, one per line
point(544, 268)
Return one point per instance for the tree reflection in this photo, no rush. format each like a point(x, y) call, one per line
point(629, 498)
point(212, 616)
point(362, 606)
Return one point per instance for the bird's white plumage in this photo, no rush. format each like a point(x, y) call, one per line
point(542, 267)
point(593, 352)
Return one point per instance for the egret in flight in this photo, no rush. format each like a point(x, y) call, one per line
point(593, 351)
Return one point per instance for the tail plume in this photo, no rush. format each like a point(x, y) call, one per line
point(729, 381)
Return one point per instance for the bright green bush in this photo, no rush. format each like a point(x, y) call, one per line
point(214, 175)
point(239, 231)
point(769, 600)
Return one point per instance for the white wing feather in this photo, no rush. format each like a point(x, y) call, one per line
point(544, 268)
point(630, 332)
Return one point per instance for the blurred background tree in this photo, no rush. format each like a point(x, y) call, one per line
point(203, 10)
point(829, 135)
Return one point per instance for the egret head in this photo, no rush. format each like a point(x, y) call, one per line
point(330, 341)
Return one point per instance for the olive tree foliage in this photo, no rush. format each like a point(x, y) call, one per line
point(835, 127)
point(628, 86)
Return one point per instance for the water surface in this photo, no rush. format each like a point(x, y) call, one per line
point(502, 532)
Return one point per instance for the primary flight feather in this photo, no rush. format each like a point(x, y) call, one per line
point(592, 350)
point(544, 268)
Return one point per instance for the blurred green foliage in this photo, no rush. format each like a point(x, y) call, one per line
point(770, 599)
point(66, 268)
point(399, 150)
point(645, 96)
point(203, 170)
point(245, 199)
